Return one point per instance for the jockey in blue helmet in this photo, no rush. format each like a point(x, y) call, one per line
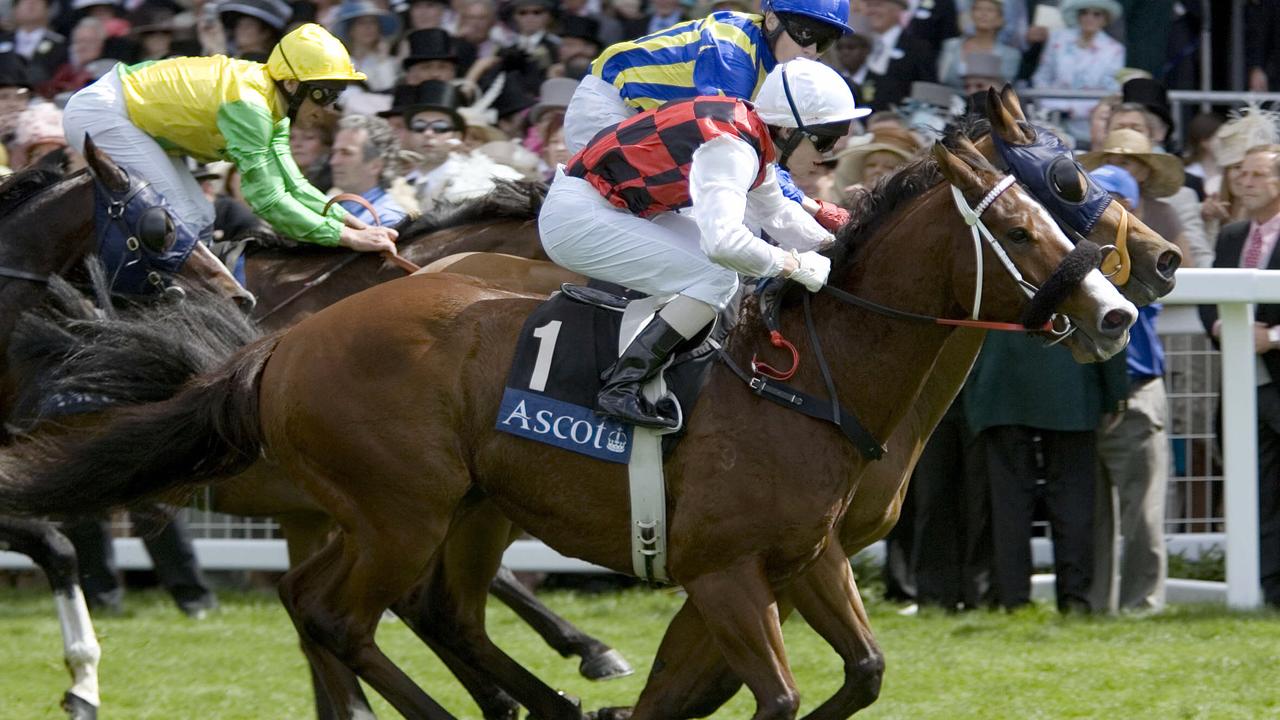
point(725, 53)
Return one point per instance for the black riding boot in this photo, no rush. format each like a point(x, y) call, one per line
point(621, 397)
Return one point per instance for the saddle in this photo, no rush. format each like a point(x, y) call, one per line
point(564, 348)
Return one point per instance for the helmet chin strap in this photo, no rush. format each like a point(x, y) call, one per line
point(796, 137)
point(771, 36)
point(294, 99)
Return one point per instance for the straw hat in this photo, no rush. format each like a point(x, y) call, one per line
point(1071, 10)
point(1167, 174)
point(1249, 126)
point(851, 161)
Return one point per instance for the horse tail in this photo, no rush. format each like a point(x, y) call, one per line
point(209, 430)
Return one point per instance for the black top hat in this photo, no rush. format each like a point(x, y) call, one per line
point(13, 71)
point(1150, 94)
point(513, 98)
point(401, 96)
point(583, 28)
point(434, 95)
point(274, 13)
point(431, 44)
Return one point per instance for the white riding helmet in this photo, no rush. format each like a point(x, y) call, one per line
point(810, 96)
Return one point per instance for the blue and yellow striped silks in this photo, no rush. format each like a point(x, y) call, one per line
point(724, 53)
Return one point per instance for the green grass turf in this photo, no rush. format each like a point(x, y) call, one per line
point(243, 662)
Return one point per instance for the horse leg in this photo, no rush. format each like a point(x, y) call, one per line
point(335, 600)
point(828, 598)
point(458, 592)
point(599, 661)
point(494, 704)
point(53, 552)
point(739, 610)
point(305, 534)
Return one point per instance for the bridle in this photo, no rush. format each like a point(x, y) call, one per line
point(1038, 316)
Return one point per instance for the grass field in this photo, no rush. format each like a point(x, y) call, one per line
point(243, 662)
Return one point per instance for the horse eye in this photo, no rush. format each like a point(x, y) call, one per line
point(1066, 180)
point(155, 229)
point(1018, 235)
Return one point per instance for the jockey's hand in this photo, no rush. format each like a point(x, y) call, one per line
point(831, 216)
point(788, 186)
point(809, 269)
point(370, 239)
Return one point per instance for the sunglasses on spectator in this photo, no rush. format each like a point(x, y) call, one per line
point(808, 31)
point(438, 127)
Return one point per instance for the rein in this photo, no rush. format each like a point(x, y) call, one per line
point(1073, 268)
point(408, 266)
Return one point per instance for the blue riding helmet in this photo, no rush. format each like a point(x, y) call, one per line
point(832, 12)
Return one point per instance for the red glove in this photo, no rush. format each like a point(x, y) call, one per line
point(831, 216)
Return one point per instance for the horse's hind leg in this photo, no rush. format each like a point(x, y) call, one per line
point(336, 599)
point(53, 552)
point(829, 601)
point(459, 589)
point(305, 534)
point(599, 661)
point(739, 610)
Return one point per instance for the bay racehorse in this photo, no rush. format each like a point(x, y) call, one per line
point(401, 444)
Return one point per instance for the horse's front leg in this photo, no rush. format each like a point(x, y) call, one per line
point(827, 597)
point(599, 661)
point(54, 553)
point(739, 610)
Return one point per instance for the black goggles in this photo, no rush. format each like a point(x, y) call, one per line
point(324, 92)
point(439, 127)
point(808, 31)
point(825, 136)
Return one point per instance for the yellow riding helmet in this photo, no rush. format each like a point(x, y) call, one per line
point(310, 53)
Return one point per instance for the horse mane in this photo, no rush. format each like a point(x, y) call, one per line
point(508, 200)
point(21, 186)
point(883, 200)
point(137, 353)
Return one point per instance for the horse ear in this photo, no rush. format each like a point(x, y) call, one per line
point(1005, 119)
point(104, 168)
point(955, 170)
point(1012, 102)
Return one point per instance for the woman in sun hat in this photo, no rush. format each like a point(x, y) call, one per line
point(368, 31)
point(1081, 57)
point(1159, 175)
point(861, 165)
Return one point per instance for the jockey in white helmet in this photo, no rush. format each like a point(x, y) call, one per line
point(609, 214)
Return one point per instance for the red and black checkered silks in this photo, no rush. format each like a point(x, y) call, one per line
point(642, 163)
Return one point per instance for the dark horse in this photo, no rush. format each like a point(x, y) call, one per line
point(405, 497)
point(46, 231)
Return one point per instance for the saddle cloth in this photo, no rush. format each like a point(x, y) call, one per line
point(563, 349)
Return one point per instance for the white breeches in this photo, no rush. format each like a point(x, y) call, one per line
point(595, 105)
point(100, 111)
point(581, 231)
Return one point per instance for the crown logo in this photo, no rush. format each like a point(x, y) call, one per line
point(617, 441)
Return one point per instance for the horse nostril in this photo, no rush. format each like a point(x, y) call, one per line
point(1115, 323)
point(1167, 263)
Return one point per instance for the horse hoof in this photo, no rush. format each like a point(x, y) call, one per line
point(78, 708)
point(605, 666)
point(610, 713)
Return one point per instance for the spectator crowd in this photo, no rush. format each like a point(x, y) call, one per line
point(460, 93)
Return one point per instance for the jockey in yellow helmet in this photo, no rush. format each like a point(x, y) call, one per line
point(148, 116)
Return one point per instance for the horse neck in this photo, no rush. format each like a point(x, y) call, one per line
point(878, 363)
point(51, 232)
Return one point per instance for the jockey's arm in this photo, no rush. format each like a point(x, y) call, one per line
point(720, 180)
point(790, 224)
point(270, 179)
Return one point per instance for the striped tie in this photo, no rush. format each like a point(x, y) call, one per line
point(1253, 251)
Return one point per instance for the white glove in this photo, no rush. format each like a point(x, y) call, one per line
point(812, 271)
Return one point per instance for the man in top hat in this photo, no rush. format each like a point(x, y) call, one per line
point(896, 61)
point(433, 55)
point(982, 71)
point(434, 126)
point(32, 40)
point(1152, 96)
point(579, 45)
